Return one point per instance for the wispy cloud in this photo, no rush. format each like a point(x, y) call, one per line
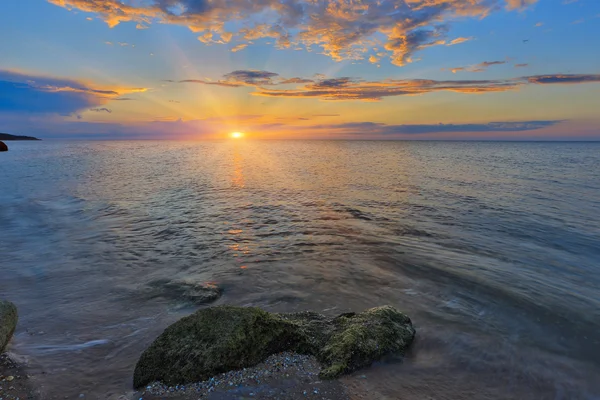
point(477, 67)
point(564, 79)
point(348, 88)
point(173, 127)
point(343, 29)
point(239, 47)
point(458, 41)
point(380, 129)
point(28, 93)
point(103, 109)
point(255, 78)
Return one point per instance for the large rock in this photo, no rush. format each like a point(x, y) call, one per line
point(219, 339)
point(8, 322)
point(211, 341)
point(354, 340)
point(3, 146)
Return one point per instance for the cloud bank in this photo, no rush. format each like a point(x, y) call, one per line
point(259, 126)
point(347, 88)
point(342, 29)
point(27, 93)
point(379, 129)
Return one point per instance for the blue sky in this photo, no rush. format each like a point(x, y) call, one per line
point(406, 69)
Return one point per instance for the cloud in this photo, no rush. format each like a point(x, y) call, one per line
point(253, 78)
point(380, 129)
point(521, 65)
point(343, 29)
point(295, 80)
point(459, 41)
point(239, 47)
point(261, 126)
point(516, 4)
point(103, 109)
point(564, 78)
point(27, 93)
point(477, 67)
point(348, 88)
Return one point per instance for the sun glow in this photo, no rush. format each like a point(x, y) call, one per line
point(236, 135)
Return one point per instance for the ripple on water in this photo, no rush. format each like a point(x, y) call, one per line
point(490, 247)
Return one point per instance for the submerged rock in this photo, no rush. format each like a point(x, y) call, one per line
point(8, 322)
point(196, 293)
point(3, 146)
point(220, 339)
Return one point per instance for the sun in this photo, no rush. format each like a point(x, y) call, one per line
point(236, 135)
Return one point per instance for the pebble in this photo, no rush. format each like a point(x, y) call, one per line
point(275, 366)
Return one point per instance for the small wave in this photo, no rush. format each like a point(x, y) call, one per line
point(54, 348)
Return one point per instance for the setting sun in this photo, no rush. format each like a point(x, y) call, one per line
point(236, 135)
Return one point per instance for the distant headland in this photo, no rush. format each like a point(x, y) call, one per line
point(6, 136)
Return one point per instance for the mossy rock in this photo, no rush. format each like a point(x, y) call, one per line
point(360, 339)
point(212, 341)
point(8, 322)
point(220, 339)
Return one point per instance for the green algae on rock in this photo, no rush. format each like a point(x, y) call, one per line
point(212, 341)
point(220, 339)
point(8, 322)
point(353, 340)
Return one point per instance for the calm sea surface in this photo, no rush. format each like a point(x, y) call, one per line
point(493, 249)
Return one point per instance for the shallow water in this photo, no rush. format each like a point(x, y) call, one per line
point(493, 249)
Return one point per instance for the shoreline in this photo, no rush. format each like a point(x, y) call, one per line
point(15, 383)
point(285, 375)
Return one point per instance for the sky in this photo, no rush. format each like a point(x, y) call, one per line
point(296, 69)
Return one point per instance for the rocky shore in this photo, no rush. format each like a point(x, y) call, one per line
point(220, 339)
point(281, 376)
point(14, 382)
point(229, 352)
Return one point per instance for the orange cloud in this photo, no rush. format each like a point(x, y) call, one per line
point(477, 67)
point(346, 88)
point(343, 29)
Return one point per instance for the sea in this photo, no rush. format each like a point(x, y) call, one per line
point(492, 249)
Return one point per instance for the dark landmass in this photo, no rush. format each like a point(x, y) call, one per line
point(6, 136)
